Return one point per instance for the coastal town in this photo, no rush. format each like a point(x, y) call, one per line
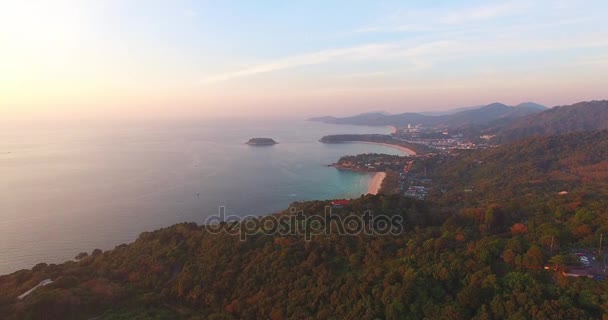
point(441, 139)
point(405, 174)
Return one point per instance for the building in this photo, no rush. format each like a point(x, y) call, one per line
point(578, 273)
point(339, 203)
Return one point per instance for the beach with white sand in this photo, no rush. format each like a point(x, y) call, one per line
point(376, 183)
point(405, 151)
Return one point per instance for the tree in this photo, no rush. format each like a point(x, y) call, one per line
point(81, 255)
point(533, 258)
point(519, 228)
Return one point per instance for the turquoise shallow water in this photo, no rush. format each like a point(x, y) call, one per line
point(69, 190)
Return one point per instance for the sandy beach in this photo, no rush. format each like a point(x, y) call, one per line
point(376, 183)
point(393, 129)
point(404, 150)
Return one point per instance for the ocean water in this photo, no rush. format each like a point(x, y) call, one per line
point(65, 190)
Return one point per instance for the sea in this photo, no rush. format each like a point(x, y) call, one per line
point(70, 189)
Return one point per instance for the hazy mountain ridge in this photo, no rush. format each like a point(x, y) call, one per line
point(467, 116)
point(450, 111)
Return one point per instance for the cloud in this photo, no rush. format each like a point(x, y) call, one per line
point(443, 19)
point(397, 28)
point(484, 12)
point(364, 75)
point(426, 51)
point(418, 56)
point(353, 53)
point(594, 61)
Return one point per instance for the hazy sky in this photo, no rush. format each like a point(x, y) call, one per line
point(174, 58)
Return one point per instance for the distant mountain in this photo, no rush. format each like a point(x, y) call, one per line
point(489, 113)
point(370, 118)
point(379, 112)
point(531, 105)
point(326, 119)
point(451, 111)
point(582, 116)
point(477, 116)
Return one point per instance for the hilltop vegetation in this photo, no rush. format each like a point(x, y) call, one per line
point(455, 269)
point(537, 165)
point(582, 116)
point(461, 255)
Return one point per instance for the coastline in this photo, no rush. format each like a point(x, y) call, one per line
point(404, 150)
point(376, 183)
point(393, 129)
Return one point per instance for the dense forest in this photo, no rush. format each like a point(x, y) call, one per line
point(476, 249)
point(541, 166)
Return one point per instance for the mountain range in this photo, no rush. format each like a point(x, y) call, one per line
point(479, 115)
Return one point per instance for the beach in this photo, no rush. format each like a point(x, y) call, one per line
point(393, 129)
point(376, 183)
point(404, 150)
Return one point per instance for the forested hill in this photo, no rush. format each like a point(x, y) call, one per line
point(576, 162)
point(447, 264)
point(582, 116)
point(460, 255)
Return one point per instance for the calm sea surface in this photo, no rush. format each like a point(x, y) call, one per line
point(68, 190)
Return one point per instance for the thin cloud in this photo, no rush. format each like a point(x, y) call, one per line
point(364, 75)
point(599, 61)
point(419, 56)
point(397, 28)
point(415, 55)
point(430, 21)
point(359, 52)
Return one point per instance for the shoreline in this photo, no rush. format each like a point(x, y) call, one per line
point(376, 183)
point(404, 150)
point(393, 129)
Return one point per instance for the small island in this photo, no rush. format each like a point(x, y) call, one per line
point(261, 142)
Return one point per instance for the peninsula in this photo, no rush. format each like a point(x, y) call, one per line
point(390, 172)
point(261, 142)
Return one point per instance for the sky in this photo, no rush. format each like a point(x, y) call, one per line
point(103, 59)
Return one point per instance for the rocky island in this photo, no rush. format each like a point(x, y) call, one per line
point(261, 142)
